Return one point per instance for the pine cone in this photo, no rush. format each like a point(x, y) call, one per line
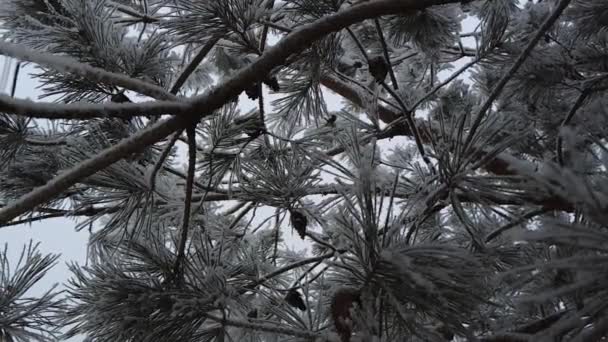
point(299, 222)
point(253, 313)
point(253, 92)
point(272, 83)
point(250, 125)
point(331, 121)
point(340, 311)
point(120, 98)
point(165, 303)
point(446, 332)
point(294, 298)
point(378, 68)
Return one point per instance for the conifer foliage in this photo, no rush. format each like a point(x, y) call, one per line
point(459, 193)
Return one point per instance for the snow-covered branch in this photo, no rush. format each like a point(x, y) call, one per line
point(201, 105)
point(84, 111)
point(72, 66)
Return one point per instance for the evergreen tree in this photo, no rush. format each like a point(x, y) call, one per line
point(460, 193)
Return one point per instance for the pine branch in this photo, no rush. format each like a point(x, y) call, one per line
point(513, 69)
point(161, 159)
point(501, 165)
point(86, 111)
point(181, 250)
point(72, 66)
point(254, 72)
point(105, 158)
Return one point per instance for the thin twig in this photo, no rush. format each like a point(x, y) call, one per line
point(132, 12)
point(575, 107)
point(241, 215)
point(181, 80)
point(407, 113)
point(277, 224)
point(514, 223)
point(188, 201)
point(36, 142)
point(196, 183)
point(194, 63)
point(513, 69)
point(445, 82)
point(32, 219)
point(358, 43)
point(15, 78)
point(304, 274)
point(290, 267)
point(235, 208)
point(390, 207)
point(277, 26)
point(161, 159)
